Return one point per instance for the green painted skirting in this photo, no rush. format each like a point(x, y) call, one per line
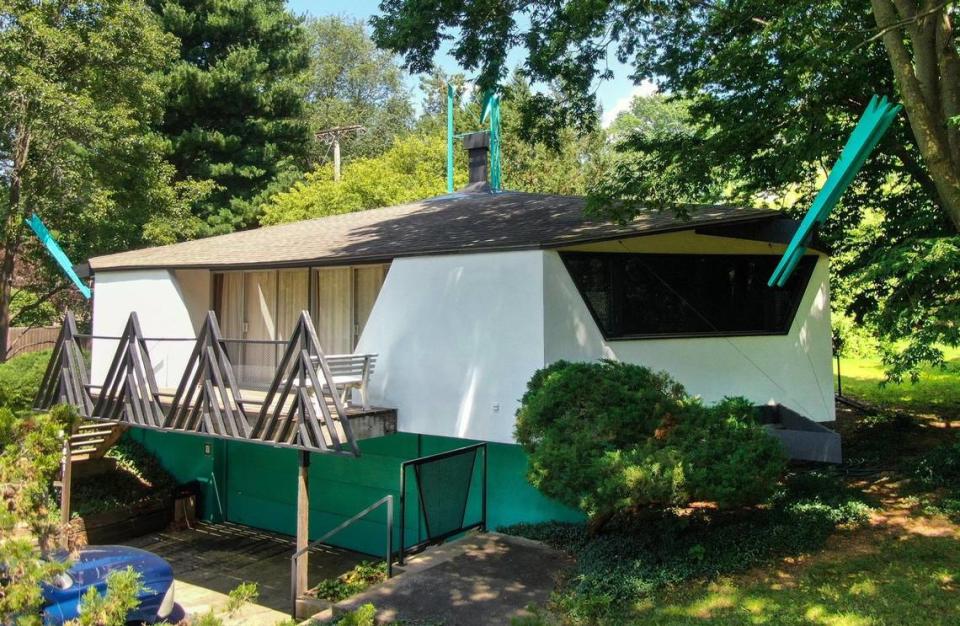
point(256, 485)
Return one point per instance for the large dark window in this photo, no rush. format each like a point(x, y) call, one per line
point(642, 295)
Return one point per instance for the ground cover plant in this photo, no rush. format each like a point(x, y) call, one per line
point(634, 559)
point(363, 576)
point(138, 477)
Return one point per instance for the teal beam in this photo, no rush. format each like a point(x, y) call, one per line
point(874, 122)
point(57, 253)
point(491, 110)
point(449, 138)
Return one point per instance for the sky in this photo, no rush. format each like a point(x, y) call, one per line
point(614, 95)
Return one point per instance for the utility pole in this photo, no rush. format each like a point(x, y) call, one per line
point(332, 137)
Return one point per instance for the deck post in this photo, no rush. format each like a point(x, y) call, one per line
point(303, 521)
point(66, 477)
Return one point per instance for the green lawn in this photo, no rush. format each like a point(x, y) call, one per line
point(937, 393)
point(892, 580)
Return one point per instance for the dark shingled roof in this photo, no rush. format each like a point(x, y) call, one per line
point(459, 222)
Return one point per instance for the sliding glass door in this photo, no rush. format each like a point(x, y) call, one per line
point(258, 309)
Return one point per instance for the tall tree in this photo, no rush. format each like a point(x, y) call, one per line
point(351, 82)
point(79, 89)
point(774, 89)
point(235, 113)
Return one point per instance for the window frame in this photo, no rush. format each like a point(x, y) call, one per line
point(804, 272)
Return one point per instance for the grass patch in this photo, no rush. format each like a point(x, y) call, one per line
point(935, 394)
point(894, 580)
point(628, 565)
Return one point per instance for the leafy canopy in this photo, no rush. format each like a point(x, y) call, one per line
point(351, 82)
point(235, 106)
point(771, 90)
point(80, 87)
point(414, 168)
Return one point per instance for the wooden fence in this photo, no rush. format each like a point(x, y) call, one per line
point(23, 339)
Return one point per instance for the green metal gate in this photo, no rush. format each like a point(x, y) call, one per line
point(443, 484)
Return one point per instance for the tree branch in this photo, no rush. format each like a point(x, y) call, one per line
point(39, 302)
point(901, 23)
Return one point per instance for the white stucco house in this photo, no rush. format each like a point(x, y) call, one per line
point(462, 298)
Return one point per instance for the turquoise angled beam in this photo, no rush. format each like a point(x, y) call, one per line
point(490, 109)
point(874, 122)
point(449, 138)
point(38, 227)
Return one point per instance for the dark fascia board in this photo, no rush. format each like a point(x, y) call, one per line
point(362, 259)
point(82, 270)
point(776, 230)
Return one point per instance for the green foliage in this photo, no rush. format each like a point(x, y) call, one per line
point(940, 469)
point(139, 477)
point(29, 515)
point(636, 558)
point(112, 607)
point(26, 309)
point(351, 82)
point(20, 379)
point(770, 92)
point(366, 615)
point(358, 579)
point(234, 113)
point(414, 168)
point(608, 436)
point(241, 594)
point(79, 93)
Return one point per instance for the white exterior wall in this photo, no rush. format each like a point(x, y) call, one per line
point(458, 337)
point(167, 303)
point(793, 369)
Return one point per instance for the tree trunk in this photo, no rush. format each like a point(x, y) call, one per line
point(12, 230)
point(596, 523)
point(927, 119)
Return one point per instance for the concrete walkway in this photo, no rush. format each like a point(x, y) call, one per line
point(483, 579)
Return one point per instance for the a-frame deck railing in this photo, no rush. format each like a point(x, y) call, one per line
point(301, 408)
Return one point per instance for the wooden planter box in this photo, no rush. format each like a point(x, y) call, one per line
point(148, 516)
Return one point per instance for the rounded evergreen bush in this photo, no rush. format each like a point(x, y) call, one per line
point(605, 437)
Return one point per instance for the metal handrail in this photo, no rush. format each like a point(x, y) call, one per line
point(295, 559)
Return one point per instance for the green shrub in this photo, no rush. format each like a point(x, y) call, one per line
point(361, 577)
point(20, 379)
point(112, 607)
point(940, 467)
point(635, 558)
point(365, 615)
point(608, 436)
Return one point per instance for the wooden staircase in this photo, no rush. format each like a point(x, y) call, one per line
point(93, 439)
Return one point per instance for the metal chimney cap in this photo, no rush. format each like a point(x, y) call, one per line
point(479, 139)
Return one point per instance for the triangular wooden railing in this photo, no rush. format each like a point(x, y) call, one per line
point(302, 406)
point(129, 393)
point(208, 399)
point(66, 380)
